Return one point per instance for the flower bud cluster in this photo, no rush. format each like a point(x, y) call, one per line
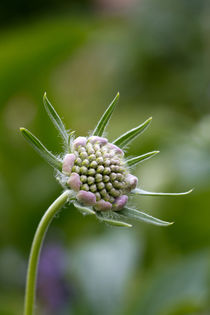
point(97, 172)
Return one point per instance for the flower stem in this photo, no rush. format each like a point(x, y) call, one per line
point(36, 248)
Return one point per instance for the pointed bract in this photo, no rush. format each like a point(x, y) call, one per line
point(103, 122)
point(141, 216)
point(56, 120)
point(40, 148)
point(84, 209)
point(138, 159)
point(130, 135)
point(113, 221)
point(138, 191)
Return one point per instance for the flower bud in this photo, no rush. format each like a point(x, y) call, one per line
point(96, 139)
point(131, 182)
point(93, 188)
point(74, 182)
point(85, 187)
point(96, 147)
point(99, 173)
point(79, 141)
point(98, 196)
point(91, 171)
point(83, 170)
point(90, 180)
point(83, 178)
point(68, 163)
point(116, 149)
point(98, 178)
point(86, 197)
point(102, 205)
point(120, 202)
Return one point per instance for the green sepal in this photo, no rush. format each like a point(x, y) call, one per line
point(55, 118)
point(112, 221)
point(103, 122)
point(141, 216)
point(130, 135)
point(138, 191)
point(84, 209)
point(138, 159)
point(40, 148)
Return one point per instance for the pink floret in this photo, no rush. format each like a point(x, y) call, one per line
point(116, 148)
point(103, 205)
point(97, 139)
point(74, 182)
point(86, 197)
point(131, 181)
point(68, 163)
point(120, 202)
point(79, 141)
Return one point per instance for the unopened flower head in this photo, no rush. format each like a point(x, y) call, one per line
point(96, 171)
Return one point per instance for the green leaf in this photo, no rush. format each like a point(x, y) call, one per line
point(103, 122)
point(138, 159)
point(141, 216)
point(56, 120)
point(85, 210)
point(130, 135)
point(138, 191)
point(112, 221)
point(40, 148)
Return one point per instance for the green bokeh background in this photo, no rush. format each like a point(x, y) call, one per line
point(157, 54)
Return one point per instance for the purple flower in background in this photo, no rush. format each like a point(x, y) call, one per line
point(53, 290)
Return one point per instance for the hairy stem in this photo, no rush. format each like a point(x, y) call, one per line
point(36, 248)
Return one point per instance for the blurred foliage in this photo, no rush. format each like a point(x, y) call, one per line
point(12, 12)
point(156, 53)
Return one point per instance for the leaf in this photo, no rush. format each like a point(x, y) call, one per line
point(56, 120)
point(141, 216)
point(112, 221)
point(84, 209)
point(130, 135)
point(40, 148)
point(138, 191)
point(138, 159)
point(103, 122)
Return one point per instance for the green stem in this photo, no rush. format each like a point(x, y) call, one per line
point(36, 248)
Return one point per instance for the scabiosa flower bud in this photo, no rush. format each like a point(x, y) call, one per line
point(96, 170)
point(109, 182)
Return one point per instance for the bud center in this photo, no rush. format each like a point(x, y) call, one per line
point(101, 169)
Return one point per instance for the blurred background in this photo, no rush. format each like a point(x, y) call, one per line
point(157, 54)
